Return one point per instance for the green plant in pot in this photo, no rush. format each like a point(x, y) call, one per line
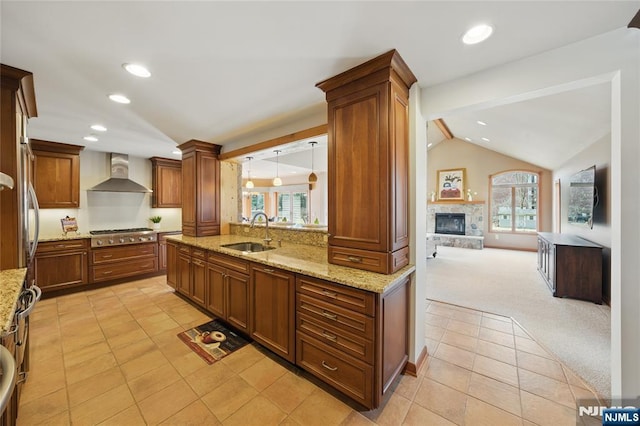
point(156, 221)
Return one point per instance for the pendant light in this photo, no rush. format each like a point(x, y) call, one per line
point(249, 181)
point(312, 177)
point(276, 180)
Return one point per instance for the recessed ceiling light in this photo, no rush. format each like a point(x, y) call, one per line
point(137, 70)
point(467, 139)
point(429, 145)
point(177, 152)
point(485, 139)
point(482, 123)
point(90, 138)
point(477, 34)
point(121, 99)
point(99, 128)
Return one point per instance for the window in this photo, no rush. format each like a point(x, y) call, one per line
point(514, 202)
point(293, 207)
point(257, 204)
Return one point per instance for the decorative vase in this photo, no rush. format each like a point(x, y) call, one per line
point(155, 226)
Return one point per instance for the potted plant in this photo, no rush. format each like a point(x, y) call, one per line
point(156, 221)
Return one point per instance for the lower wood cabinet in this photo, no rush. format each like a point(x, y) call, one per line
point(111, 263)
point(171, 267)
point(228, 290)
point(183, 269)
point(162, 249)
point(61, 264)
point(272, 307)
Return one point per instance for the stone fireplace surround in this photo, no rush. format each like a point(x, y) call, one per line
point(474, 221)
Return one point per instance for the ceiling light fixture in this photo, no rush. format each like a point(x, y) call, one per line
point(482, 123)
point(121, 99)
point(137, 70)
point(90, 138)
point(249, 182)
point(467, 139)
point(429, 145)
point(99, 128)
point(477, 34)
point(486, 139)
point(177, 152)
point(312, 177)
point(276, 180)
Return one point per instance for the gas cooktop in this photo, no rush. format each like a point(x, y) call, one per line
point(117, 237)
point(119, 231)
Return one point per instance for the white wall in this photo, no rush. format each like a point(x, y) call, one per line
point(110, 210)
point(613, 57)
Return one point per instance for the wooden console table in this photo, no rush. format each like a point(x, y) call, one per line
point(571, 266)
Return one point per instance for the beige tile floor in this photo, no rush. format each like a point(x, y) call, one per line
point(111, 357)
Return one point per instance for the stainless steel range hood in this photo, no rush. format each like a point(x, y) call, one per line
point(119, 180)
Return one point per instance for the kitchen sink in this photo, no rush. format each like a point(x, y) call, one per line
point(248, 247)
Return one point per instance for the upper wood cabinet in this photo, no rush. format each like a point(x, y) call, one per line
point(368, 173)
point(56, 174)
point(200, 188)
point(167, 182)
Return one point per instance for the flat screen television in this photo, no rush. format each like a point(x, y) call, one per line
point(583, 197)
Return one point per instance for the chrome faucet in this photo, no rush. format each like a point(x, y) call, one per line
point(266, 238)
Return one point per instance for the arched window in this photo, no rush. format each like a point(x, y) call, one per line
point(514, 201)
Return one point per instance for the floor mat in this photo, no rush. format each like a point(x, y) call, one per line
point(212, 341)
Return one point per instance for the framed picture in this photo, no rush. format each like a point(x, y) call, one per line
point(451, 184)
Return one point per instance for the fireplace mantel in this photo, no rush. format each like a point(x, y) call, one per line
point(455, 202)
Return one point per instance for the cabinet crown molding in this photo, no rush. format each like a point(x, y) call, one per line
point(391, 62)
point(196, 145)
point(20, 81)
point(40, 145)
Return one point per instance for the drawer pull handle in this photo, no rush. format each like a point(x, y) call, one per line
point(198, 262)
point(328, 367)
point(60, 246)
point(329, 315)
point(330, 336)
point(354, 259)
point(269, 270)
point(107, 272)
point(330, 294)
point(106, 256)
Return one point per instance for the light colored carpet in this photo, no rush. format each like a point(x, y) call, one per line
point(506, 282)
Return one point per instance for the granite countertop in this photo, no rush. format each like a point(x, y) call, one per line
point(10, 288)
point(291, 226)
point(304, 259)
point(62, 237)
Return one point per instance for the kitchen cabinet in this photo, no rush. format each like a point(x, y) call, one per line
point(171, 266)
point(56, 174)
point(200, 189)
point(17, 105)
point(354, 340)
point(183, 270)
point(571, 266)
point(166, 182)
point(162, 249)
point(111, 263)
point(228, 289)
point(198, 284)
point(62, 264)
point(368, 164)
point(272, 307)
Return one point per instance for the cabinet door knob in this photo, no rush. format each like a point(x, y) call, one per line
point(328, 367)
point(329, 315)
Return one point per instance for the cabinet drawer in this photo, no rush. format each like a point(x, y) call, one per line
point(327, 313)
point(199, 253)
point(109, 272)
point(382, 263)
point(349, 375)
point(131, 252)
point(184, 249)
point(229, 262)
point(336, 337)
point(54, 246)
point(349, 298)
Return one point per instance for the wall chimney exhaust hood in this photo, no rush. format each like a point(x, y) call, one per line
point(119, 180)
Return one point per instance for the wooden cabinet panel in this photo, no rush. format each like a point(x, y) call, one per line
point(217, 296)
point(119, 253)
point(166, 182)
point(56, 174)
point(238, 300)
point(353, 299)
point(116, 270)
point(183, 274)
point(172, 257)
point(198, 281)
point(272, 302)
point(61, 264)
point(368, 155)
point(351, 376)
point(162, 249)
point(200, 188)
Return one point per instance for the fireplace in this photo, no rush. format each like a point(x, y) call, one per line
point(450, 223)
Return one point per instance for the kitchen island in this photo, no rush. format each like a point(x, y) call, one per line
point(347, 327)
